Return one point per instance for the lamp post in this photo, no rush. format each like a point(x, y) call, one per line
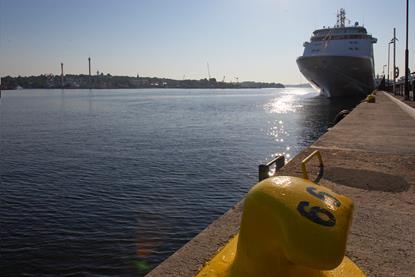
point(389, 50)
point(406, 56)
point(394, 58)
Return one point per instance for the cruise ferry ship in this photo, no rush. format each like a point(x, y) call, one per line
point(338, 61)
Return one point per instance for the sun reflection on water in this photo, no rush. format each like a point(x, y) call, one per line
point(282, 105)
point(278, 132)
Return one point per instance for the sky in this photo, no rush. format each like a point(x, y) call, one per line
point(255, 40)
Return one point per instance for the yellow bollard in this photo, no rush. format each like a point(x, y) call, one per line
point(370, 98)
point(290, 227)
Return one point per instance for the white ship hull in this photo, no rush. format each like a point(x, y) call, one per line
point(339, 76)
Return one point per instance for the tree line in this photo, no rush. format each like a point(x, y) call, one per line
point(108, 81)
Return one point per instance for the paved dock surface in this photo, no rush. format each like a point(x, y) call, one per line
point(370, 157)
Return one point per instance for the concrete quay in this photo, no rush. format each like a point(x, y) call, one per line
point(369, 156)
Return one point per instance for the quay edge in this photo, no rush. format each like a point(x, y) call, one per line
point(369, 156)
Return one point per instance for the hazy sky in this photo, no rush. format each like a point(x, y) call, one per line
point(253, 40)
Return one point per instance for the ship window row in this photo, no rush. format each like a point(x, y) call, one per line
point(350, 48)
point(338, 31)
point(339, 37)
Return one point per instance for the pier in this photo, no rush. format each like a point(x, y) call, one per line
point(369, 156)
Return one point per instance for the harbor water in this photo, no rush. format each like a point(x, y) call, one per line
point(112, 182)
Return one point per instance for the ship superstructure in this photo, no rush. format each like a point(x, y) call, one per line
point(338, 61)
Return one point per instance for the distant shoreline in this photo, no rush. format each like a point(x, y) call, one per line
point(121, 82)
point(306, 85)
point(151, 88)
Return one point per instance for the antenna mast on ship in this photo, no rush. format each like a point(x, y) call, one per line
point(341, 18)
